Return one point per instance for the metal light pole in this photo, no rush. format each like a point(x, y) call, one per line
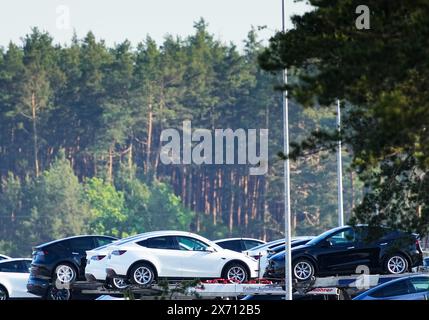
point(339, 171)
point(288, 262)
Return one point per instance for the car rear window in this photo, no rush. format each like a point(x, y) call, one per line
point(234, 245)
point(398, 288)
point(159, 243)
point(250, 244)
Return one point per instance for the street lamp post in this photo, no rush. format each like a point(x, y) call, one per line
point(339, 170)
point(288, 262)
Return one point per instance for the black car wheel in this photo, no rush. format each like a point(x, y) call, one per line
point(58, 294)
point(396, 264)
point(303, 269)
point(3, 293)
point(235, 272)
point(142, 274)
point(65, 273)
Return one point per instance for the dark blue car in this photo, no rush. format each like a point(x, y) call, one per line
point(407, 288)
point(342, 250)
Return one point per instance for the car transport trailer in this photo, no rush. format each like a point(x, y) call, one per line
point(336, 287)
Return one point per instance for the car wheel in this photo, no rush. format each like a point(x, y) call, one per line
point(142, 274)
point(236, 272)
point(58, 294)
point(396, 264)
point(119, 283)
point(3, 293)
point(303, 269)
point(65, 273)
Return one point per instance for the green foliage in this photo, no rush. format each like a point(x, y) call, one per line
point(55, 204)
point(166, 209)
point(105, 107)
point(107, 207)
point(383, 75)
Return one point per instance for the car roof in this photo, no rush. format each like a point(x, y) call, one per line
point(70, 238)
point(15, 259)
point(233, 239)
point(152, 234)
point(384, 284)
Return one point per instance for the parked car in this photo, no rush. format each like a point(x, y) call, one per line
point(14, 275)
point(342, 250)
point(63, 260)
point(414, 287)
point(3, 257)
point(178, 255)
point(262, 251)
point(426, 262)
point(95, 269)
point(239, 244)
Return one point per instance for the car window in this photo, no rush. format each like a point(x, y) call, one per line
point(81, 244)
point(250, 244)
point(420, 284)
point(234, 245)
point(342, 238)
point(395, 289)
point(12, 266)
point(25, 266)
point(167, 242)
point(104, 241)
point(191, 244)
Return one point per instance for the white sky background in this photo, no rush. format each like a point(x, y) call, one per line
point(117, 20)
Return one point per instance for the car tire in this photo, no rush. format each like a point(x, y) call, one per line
point(303, 269)
point(65, 273)
point(4, 295)
point(54, 293)
point(142, 274)
point(235, 272)
point(118, 283)
point(396, 264)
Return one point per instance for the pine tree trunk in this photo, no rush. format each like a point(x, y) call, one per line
point(35, 137)
point(110, 166)
point(149, 138)
point(231, 204)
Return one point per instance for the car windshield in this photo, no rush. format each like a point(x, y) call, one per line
point(322, 236)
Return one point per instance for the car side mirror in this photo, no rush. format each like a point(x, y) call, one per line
point(210, 249)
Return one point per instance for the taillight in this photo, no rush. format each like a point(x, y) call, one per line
point(118, 252)
point(98, 258)
point(418, 245)
point(40, 253)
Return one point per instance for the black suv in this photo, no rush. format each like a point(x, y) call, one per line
point(61, 260)
point(342, 250)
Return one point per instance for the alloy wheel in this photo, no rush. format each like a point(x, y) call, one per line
point(65, 274)
point(236, 274)
point(303, 270)
point(59, 294)
point(143, 275)
point(396, 264)
point(3, 294)
point(119, 283)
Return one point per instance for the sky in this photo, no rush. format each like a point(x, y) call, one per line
point(117, 20)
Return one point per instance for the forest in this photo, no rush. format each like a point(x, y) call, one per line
point(80, 128)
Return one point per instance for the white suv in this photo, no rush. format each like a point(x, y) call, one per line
point(178, 255)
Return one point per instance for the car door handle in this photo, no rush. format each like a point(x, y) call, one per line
point(75, 253)
point(383, 244)
point(349, 248)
